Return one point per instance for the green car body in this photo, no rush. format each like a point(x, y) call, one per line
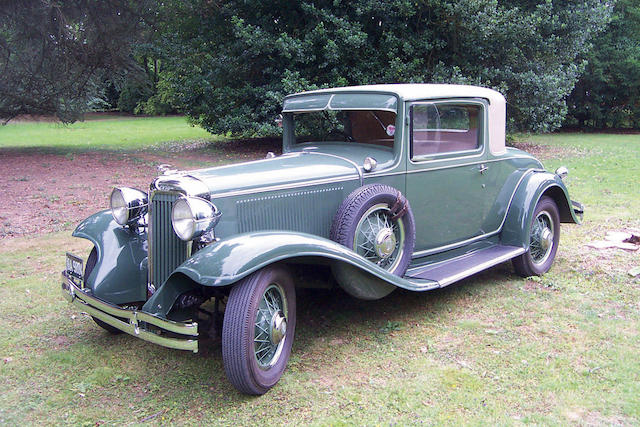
point(472, 209)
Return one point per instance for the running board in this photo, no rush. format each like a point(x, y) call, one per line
point(450, 271)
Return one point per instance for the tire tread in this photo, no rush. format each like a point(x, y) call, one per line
point(238, 329)
point(234, 341)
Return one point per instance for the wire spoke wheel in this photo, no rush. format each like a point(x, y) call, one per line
point(258, 329)
point(379, 238)
point(541, 237)
point(544, 237)
point(270, 327)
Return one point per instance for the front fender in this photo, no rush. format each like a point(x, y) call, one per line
point(225, 262)
point(515, 231)
point(120, 274)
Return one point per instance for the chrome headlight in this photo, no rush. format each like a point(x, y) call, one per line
point(128, 204)
point(191, 217)
point(562, 172)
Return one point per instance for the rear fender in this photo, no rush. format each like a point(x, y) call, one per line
point(515, 231)
point(120, 274)
point(225, 262)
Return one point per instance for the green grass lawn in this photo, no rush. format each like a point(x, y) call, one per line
point(106, 134)
point(493, 349)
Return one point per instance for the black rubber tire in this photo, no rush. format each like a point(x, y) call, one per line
point(357, 203)
point(523, 264)
point(238, 352)
point(91, 263)
point(107, 327)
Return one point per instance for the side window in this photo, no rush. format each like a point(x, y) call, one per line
point(444, 128)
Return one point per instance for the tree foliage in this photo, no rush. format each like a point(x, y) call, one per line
point(228, 64)
point(608, 93)
point(55, 55)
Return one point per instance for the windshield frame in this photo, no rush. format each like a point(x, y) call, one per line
point(399, 158)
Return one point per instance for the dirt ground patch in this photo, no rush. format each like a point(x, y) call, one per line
point(546, 152)
point(43, 191)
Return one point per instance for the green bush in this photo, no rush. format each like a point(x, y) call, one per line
point(608, 93)
point(132, 94)
point(228, 65)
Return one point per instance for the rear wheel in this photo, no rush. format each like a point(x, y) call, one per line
point(258, 329)
point(544, 236)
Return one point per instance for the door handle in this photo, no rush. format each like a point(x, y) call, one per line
point(483, 168)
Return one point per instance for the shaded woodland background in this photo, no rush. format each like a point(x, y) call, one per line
point(228, 64)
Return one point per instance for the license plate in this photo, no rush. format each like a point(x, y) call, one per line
point(74, 267)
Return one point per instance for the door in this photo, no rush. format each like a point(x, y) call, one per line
point(446, 183)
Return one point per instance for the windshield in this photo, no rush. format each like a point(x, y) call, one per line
point(359, 126)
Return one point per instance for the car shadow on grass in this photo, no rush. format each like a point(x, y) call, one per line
point(330, 317)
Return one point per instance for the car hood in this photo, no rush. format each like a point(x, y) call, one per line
point(243, 178)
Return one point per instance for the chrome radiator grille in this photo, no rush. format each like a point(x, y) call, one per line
point(167, 251)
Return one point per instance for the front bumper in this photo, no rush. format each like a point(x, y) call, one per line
point(578, 209)
point(131, 321)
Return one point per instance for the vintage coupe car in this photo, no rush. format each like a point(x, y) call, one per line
point(386, 186)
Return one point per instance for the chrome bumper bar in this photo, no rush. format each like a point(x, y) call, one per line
point(578, 209)
point(129, 321)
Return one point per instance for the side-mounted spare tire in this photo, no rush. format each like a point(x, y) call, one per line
point(375, 221)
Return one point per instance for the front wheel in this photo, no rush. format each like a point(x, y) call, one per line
point(544, 236)
point(258, 329)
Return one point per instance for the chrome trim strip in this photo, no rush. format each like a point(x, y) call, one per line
point(391, 110)
point(457, 165)
point(441, 157)
point(443, 130)
point(448, 166)
point(455, 245)
point(112, 315)
point(480, 267)
point(285, 186)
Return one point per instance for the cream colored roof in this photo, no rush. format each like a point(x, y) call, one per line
point(416, 91)
point(423, 91)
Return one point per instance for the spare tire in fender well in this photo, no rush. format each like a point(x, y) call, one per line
point(376, 222)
